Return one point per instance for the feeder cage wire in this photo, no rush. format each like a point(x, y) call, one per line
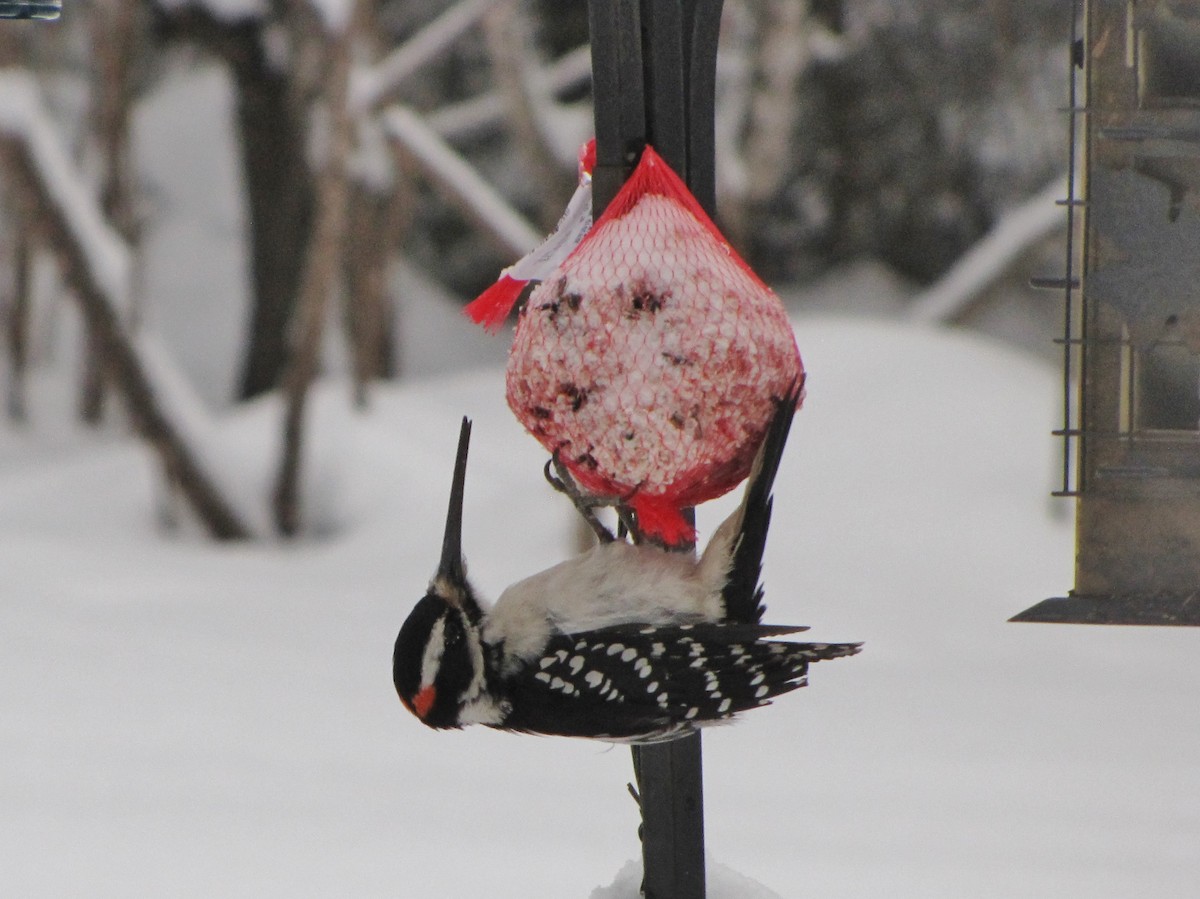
point(1131, 315)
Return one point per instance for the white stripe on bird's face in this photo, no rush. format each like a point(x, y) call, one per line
point(431, 660)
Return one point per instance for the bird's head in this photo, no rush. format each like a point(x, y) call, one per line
point(438, 663)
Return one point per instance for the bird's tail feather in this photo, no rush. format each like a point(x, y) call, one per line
point(747, 527)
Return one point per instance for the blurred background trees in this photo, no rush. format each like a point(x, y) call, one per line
point(300, 180)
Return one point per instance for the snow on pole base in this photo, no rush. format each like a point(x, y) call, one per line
point(651, 358)
point(721, 882)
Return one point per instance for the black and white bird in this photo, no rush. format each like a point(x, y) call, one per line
point(626, 642)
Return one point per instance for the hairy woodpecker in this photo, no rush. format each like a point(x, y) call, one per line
point(626, 642)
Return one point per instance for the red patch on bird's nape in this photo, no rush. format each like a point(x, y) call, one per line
point(423, 702)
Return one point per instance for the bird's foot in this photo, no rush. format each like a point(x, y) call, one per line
point(561, 479)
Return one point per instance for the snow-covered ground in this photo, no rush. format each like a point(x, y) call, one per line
point(193, 720)
point(186, 719)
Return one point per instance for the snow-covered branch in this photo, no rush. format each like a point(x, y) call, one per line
point(373, 86)
point(952, 296)
point(97, 263)
point(23, 117)
point(461, 183)
point(486, 111)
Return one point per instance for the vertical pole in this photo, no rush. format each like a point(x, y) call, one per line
point(670, 779)
point(654, 81)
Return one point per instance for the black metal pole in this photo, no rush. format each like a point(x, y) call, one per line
point(654, 81)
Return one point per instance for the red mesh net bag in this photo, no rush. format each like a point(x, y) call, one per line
point(650, 358)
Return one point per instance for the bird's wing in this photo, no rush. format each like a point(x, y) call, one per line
point(640, 683)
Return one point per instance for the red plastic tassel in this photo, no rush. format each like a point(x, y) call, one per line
point(492, 307)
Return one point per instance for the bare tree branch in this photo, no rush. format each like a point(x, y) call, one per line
point(460, 182)
point(486, 112)
point(321, 269)
point(782, 59)
point(373, 87)
point(374, 218)
point(378, 202)
point(272, 119)
point(113, 33)
point(530, 105)
point(16, 318)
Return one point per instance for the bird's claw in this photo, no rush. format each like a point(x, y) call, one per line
point(559, 477)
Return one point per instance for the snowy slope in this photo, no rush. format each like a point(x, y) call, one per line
point(194, 720)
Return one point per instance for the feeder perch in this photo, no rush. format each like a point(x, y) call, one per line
point(1131, 342)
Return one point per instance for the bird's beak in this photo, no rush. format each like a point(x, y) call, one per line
point(451, 571)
